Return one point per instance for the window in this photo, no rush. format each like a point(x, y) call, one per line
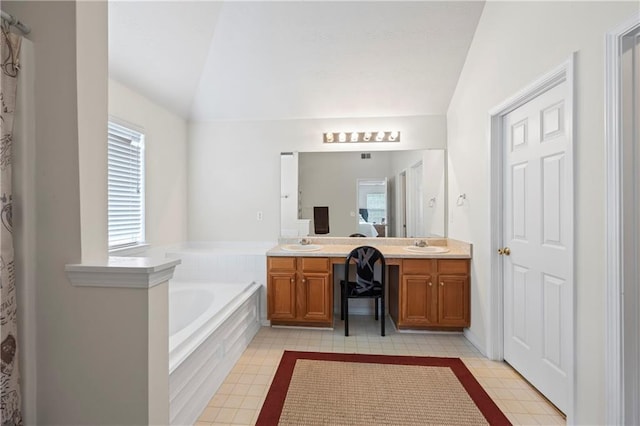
point(125, 156)
point(377, 207)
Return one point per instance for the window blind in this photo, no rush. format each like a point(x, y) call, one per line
point(125, 186)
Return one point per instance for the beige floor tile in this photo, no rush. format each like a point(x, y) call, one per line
point(226, 415)
point(233, 401)
point(209, 414)
point(257, 390)
point(240, 389)
point(243, 417)
point(218, 400)
point(252, 402)
point(263, 379)
point(547, 419)
point(525, 419)
point(245, 379)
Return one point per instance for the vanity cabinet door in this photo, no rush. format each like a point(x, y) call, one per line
point(300, 291)
point(316, 297)
point(453, 300)
point(281, 290)
point(434, 294)
point(419, 301)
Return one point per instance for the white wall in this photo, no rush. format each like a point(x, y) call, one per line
point(515, 43)
point(165, 163)
point(92, 345)
point(234, 167)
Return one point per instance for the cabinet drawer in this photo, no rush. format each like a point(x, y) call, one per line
point(281, 263)
point(418, 266)
point(453, 266)
point(315, 264)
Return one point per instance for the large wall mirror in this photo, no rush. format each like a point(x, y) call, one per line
point(381, 193)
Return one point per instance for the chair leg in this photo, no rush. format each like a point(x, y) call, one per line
point(375, 303)
point(342, 302)
point(382, 315)
point(346, 310)
point(346, 316)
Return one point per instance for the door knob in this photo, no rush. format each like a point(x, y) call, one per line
point(506, 251)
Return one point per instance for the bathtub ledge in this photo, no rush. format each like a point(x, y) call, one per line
point(128, 272)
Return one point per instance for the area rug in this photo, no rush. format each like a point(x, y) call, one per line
point(314, 388)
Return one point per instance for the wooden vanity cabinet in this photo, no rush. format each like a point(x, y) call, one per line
point(434, 294)
point(299, 291)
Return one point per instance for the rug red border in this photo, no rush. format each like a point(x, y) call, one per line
point(272, 407)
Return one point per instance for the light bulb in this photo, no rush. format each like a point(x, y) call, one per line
point(329, 137)
point(393, 136)
point(380, 136)
point(367, 137)
point(342, 137)
point(354, 137)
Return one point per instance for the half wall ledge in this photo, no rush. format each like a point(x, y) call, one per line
point(127, 272)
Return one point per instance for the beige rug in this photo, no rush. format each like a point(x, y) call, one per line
point(375, 390)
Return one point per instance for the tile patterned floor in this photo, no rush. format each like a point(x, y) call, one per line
point(240, 397)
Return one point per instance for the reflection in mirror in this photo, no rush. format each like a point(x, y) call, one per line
point(415, 194)
point(372, 207)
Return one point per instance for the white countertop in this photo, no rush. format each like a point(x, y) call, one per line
point(389, 247)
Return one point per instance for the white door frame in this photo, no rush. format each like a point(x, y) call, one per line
point(615, 335)
point(563, 73)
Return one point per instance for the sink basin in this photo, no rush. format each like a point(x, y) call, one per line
point(301, 247)
point(426, 250)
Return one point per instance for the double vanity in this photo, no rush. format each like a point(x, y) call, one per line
point(428, 283)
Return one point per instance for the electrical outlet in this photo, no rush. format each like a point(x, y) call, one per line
point(259, 215)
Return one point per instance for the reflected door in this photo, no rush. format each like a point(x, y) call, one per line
point(372, 208)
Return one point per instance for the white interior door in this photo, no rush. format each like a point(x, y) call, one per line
point(537, 236)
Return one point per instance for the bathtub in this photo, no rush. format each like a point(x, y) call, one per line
point(210, 325)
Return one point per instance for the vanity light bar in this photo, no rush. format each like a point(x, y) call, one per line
point(379, 136)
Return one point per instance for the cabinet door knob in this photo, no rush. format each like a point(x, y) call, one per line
point(442, 283)
point(304, 280)
point(292, 280)
point(430, 283)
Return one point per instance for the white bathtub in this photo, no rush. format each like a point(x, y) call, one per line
point(210, 325)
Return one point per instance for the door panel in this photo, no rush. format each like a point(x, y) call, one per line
point(453, 300)
point(317, 297)
point(282, 300)
point(419, 304)
point(537, 229)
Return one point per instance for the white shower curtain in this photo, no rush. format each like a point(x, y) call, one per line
point(10, 401)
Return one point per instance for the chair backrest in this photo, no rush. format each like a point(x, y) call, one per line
point(365, 258)
point(357, 234)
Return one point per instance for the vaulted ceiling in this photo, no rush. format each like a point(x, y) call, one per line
point(269, 60)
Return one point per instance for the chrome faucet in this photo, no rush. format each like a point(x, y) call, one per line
point(420, 243)
point(305, 242)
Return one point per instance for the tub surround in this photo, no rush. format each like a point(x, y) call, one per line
point(215, 310)
point(115, 271)
point(426, 291)
point(200, 361)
